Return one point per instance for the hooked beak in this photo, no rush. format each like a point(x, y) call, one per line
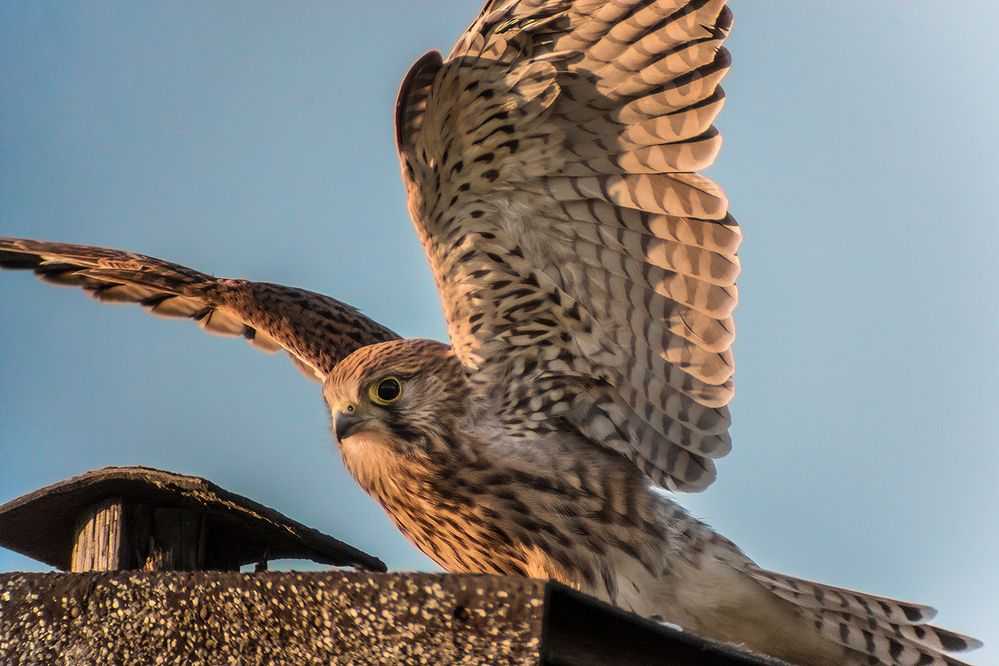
point(344, 424)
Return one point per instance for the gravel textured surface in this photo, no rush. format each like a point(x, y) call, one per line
point(268, 618)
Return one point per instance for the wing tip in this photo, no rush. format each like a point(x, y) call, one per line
point(417, 69)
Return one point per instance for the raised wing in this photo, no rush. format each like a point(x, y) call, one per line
point(586, 271)
point(316, 331)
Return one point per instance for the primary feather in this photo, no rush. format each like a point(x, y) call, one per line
point(315, 330)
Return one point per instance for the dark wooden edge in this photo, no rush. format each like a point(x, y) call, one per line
point(578, 630)
point(40, 523)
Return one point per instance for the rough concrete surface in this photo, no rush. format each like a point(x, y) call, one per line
point(268, 618)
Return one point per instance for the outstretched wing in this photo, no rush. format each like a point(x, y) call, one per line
point(316, 331)
point(586, 271)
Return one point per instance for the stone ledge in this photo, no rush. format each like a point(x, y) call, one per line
point(326, 618)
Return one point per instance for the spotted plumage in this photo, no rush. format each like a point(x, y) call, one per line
point(549, 165)
point(587, 274)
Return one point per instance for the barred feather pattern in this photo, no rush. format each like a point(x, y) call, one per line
point(588, 277)
point(888, 631)
point(476, 499)
point(544, 504)
point(550, 163)
point(315, 330)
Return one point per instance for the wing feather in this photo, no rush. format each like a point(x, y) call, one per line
point(315, 330)
point(585, 268)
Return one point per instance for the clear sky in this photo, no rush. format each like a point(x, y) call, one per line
point(256, 141)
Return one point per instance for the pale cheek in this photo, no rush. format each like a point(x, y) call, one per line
point(369, 459)
point(366, 445)
point(362, 443)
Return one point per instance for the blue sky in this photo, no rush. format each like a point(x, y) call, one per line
point(256, 141)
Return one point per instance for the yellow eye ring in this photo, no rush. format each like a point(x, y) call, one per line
point(385, 391)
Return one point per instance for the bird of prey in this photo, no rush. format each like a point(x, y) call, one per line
point(588, 276)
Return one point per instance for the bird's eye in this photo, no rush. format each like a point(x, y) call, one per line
point(386, 391)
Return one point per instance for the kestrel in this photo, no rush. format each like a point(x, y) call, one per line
point(587, 273)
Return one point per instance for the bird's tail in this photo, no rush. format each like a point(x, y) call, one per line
point(886, 631)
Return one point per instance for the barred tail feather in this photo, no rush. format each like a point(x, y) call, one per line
point(886, 631)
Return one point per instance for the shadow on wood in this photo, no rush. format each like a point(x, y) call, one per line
point(128, 518)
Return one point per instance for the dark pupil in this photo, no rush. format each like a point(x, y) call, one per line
point(388, 389)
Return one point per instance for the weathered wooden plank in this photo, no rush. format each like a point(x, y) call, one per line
point(99, 537)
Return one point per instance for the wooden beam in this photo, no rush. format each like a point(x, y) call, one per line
point(97, 545)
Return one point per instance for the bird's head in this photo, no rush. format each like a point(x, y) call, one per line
point(395, 401)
